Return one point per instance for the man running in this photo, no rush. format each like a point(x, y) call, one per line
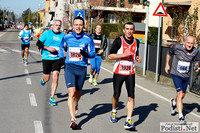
point(80, 46)
point(25, 36)
point(100, 42)
point(125, 51)
point(50, 42)
point(184, 54)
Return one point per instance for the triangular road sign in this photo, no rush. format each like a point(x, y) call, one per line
point(160, 11)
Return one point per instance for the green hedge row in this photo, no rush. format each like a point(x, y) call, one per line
point(115, 30)
point(110, 30)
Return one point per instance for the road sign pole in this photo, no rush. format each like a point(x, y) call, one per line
point(158, 49)
point(145, 44)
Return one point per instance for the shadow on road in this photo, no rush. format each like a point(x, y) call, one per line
point(190, 107)
point(96, 110)
point(106, 80)
point(90, 91)
point(143, 112)
point(22, 75)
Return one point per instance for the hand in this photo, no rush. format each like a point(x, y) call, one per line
point(138, 59)
point(167, 67)
point(83, 53)
point(196, 68)
point(31, 38)
point(100, 52)
point(51, 49)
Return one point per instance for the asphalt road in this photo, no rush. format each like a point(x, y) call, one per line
point(25, 103)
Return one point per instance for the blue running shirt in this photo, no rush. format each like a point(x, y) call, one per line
point(50, 39)
point(74, 45)
point(26, 35)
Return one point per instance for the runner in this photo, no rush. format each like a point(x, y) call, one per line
point(184, 54)
point(80, 46)
point(125, 51)
point(25, 36)
point(50, 42)
point(100, 42)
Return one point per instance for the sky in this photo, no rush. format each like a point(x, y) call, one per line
point(18, 6)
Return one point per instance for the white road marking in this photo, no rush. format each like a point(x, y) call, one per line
point(155, 94)
point(32, 99)
point(15, 50)
point(26, 71)
point(4, 51)
point(38, 127)
point(28, 81)
point(2, 34)
point(32, 51)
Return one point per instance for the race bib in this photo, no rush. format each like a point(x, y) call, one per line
point(125, 67)
point(97, 43)
point(183, 67)
point(54, 54)
point(26, 39)
point(74, 54)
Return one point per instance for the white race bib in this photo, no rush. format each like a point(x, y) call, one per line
point(125, 67)
point(26, 39)
point(74, 54)
point(183, 67)
point(97, 43)
point(55, 54)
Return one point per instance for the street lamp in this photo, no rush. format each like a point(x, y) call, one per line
point(146, 3)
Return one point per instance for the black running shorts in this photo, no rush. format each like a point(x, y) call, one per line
point(50, 65)
point(23, 46)
point(118, 81)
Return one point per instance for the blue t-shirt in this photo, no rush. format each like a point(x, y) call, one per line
point(26, 37)
point(50, 39)
point(74, 43)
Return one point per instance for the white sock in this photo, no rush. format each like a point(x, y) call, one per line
point(180, 115)
point(73, 119)
point(128, 118)
point(114, 111)
point(174, 103)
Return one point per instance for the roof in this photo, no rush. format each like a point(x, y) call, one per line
point(173, 4)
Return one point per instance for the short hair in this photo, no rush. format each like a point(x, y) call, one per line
point(98, 25)
point(129, 23)
point(79, 17)
point(25, 25)
point(56, 21)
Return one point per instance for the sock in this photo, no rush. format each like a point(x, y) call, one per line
point(114, 111)
point(128, 118)
point(180, 115)
point(94, 81)
point(91, 76)
point(73, 119)
point(174, 103)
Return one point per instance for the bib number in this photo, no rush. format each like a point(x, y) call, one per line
point(97, 43)
point(54, 54)
point(183, 67)
point(125, 67)
point(74, 54)
point(26, 39)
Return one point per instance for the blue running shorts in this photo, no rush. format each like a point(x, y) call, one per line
point(95, 63)
point(180, 83)
point(75, 75)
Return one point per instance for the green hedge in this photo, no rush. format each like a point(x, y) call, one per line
point(107, 28)
point(153, 35)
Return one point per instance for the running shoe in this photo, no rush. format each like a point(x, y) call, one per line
point(91, 79)
point(95, 83)
point(22, 60)
point(26, 61)
point(52, 101)
point(172, 107)
point(182, 120)
point(113, 118)
point(129, 124)
point(76, 109)
point(73, 125)
point(42, 82)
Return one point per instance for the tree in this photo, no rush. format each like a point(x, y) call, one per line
point(26, 15)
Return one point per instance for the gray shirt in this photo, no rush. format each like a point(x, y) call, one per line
point(182, 59)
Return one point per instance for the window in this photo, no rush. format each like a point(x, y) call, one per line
point(122, 3)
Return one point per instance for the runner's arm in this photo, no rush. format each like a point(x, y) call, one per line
point(62, 49)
